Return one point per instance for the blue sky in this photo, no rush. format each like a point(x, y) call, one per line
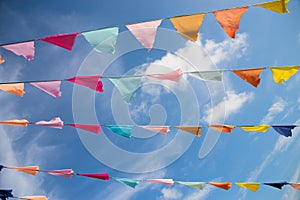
point(265, 38)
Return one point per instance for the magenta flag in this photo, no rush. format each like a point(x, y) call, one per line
point(91, 82)
point(65, 41)
point(68, 173)
point(52, 88)
point(25, 49)
point(94, 128)
point(98, 176)
point(53, 123)
point(172, 76)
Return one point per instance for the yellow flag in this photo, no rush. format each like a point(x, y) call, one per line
point(29, 169)
point(260, 128)
point(281, 74)
point(249, 185)
point(195, 130)
point(188, 26)
point(34, 198)
point(15, 122)
point(14, 88)
point(276, 6)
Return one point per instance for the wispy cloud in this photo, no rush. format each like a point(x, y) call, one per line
point(276, 108)
point(170, 193)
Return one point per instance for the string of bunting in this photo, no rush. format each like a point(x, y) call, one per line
point(103, 40)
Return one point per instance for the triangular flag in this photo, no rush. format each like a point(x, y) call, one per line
point(145, 32)
point(68, 173)
point(168, 182)
point(158, 129)
point(172, 76)
point(65, 41)
point(91, 82)
point(261, 128)
point(295, 185)
point(1, 60)
point(224, 185)
point(16, 122)
point(230, 19)
point(198, 185)
point(251, 76)
point(94, 128)
point(104, 40)
point(25, 49)
point(14, 88)
point(33, 198)
point(276, 6)
point(195, 130)
point(98, 176)
point(1, 167)
point(222, 128)
point(277, 185)
point(208, 75)
point(51, 87)
point(121, 130)
point(127, 86)
point(188, 26)
point(4, 194)
point(284, 130)
point(28, 169)
point(130, 182)
point(249, 185)
point(281, 74)
point(53, 123)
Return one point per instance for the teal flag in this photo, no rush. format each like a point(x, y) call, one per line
point(198, 185)
point(208, 75)
point(121, 130)
point(104, 40)
point(130, 182)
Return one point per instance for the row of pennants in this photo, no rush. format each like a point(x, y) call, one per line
point(104, 40)
point(128, 85)
point(126, 130)
point(68, 173)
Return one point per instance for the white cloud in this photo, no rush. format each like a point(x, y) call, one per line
point(170, 193)
point(200, 195)
point(278, 106)
point(299, 103)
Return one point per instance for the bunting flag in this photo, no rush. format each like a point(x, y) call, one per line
point(130, 182)
point(124, 131)
point(1, 167)
point(97, 176)
point(53, 123)
point(158, 129)
point(197, 185)
point(33, 198)
point(51, 87)
point(251, 76)
point(208, 75)
point(277, 185)
point(249, 185)
point(145, 32)
point(230, 19)
point(16, 122)
point(4, 194)
point(14, 88)
point(168, 182)
point(284, 130)
point(223, 185)
point(65, 41)
point(28, 169)
point(104, 40)
point(276, 6)
point(68, 173)
point(94, 128)
point(172, 76)
point(25, 49)
point(188, 26)
point(295, 185)
point(195, 130)
point(222, 128)
point(281, 74)
point(1, 60)
point(91, 82)
point(261, 128)
point(127, 86)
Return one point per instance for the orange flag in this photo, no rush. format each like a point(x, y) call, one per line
point(252, 76)
point(15, 122)
point(195, 130)
point(34, 198)
point(29, 169)
point(222, 128)
point(295, 185)
point(14, 88)
point(230, 19)
point(224, 185)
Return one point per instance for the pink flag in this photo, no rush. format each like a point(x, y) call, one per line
point(62, 40)
point(98, 176)
point(25, 49)
point(172, 76)
point(91, 82)
point(168, 182)
point(94, 128)
point(53, 123)
point(52, 88)
point(68, 173)
point(158, 129)
point(145, 32)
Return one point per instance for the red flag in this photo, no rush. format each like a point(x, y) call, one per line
point(94, 128)
point(98, 176)
point(91, 82)
point(65, 41)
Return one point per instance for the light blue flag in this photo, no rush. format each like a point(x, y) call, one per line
point(127, 86)
point(104, 40)
point(208, 75)
point(130, 182)
point(121, 130)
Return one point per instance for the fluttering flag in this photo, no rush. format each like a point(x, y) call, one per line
point(249, 185)
point(1, 60)
point(195, 130)
point(104, 176)
point(276, 6)
point(127, 86)
point(251, 76)
point(1, 167)
point(145, 32)
point(222, 128)
point(223, 185)
point(68, 173)
point(28, 169)
point(188, 26)
point(25, 49)
point(260, 128)
point(197, 185)
point(130, 182)
point(4, 194)
point(295, 185)
point(104, 40)
point(92, 82)
point(282, 74)
point(284, 130)
point(65, 41)
point(168, 182)
point(208, 75)
point(16, 122)
point(124, 131)
point(230, 19)
point(278, 185)
point(158, 129)
point(51, 87)
point(172, 76)
point(33, 198)
point(53, 123)
point(14, 88)
point(94, 128)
